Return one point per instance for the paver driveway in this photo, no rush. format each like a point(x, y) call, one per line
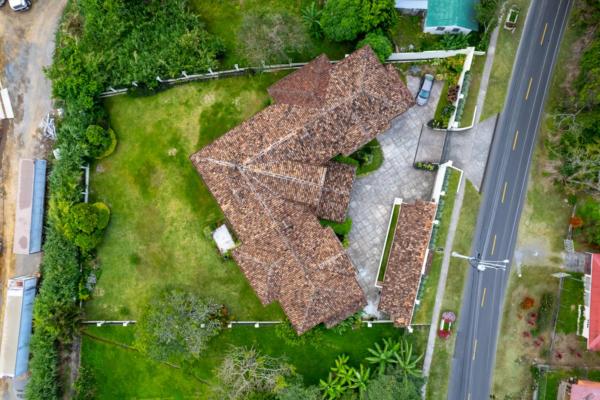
point(373, 195)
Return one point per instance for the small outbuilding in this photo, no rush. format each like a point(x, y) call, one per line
point(29, 218)
point(444, 16)
point(223, 239)
point(16, 329)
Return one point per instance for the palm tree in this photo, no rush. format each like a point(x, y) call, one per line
point(407, 363)
point(332, 389)
point(312, 19)
point(360, 380)
point(384, 356)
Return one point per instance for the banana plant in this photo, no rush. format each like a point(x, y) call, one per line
point(405, 360)
point(384, 356)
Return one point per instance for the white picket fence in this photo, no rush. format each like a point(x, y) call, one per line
point(185, 77)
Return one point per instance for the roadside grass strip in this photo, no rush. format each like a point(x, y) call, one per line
point(428, 289)
point(439, 375)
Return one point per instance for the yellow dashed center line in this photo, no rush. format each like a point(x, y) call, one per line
point(504, 192)
point(515, 140)
point(483, 297)
point(474, 349)
point(493, 246)
point(543, 34)
point(528, 88)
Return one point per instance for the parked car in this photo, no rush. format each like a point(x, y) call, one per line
point(19, 5)
point(426, 86)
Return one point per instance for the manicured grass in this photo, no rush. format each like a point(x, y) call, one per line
point(471, 102)
point(437, 384)
point(389, 240)
point(125, 373)
point(409, 31)
point(159, 205)
point(506, 50)
point(441, 104)
point(571, 297)
point(224, 17)
point(550, 381)
point(425, 308)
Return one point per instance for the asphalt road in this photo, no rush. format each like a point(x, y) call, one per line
point(504, 190)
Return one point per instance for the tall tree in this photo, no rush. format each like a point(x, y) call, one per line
point(406, 361)
point(245, 372)
point(486, 13)
point(177, 325)
point(341, 19)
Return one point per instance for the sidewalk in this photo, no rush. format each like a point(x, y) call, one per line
point(443, 277)
point(487, 70)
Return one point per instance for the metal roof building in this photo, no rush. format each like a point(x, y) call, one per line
point(16, 330)
point(29, 219)
point(450, 16)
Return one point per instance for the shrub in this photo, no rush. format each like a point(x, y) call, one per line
point(454, 42)
point(85, 385)
point(311, 16)
point(341, 20)
point(379, 43)
point(352, 322)
point(286, 331)
point(527, 303)
point(177, 325)
point(85, 224)
point(544, 314)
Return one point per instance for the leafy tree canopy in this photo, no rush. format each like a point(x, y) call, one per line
point(341, 20)
point(379, 43)
point(177, 325)
point(115, 42)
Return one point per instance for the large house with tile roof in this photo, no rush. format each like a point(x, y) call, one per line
point(273, 178)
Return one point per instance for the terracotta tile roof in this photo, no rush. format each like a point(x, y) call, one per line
point(585, 390)
point(273, 178)
point(405, 263)
point(593, 342)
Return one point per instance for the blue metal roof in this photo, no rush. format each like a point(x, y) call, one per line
point(25, 326)
point(37, 207)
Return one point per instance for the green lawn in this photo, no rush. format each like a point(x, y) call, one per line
point(437, 384)
point(389, 240)
point(506, 50)
point(425, 308)
point(224, 17)
point(571, 297)
point(122, 372)
point(409, 31)
point(471, 102)
point(159, 204)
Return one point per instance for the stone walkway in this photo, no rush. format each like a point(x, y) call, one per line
point(373, 195)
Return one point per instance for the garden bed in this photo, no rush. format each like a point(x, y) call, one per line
point(389, 240)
